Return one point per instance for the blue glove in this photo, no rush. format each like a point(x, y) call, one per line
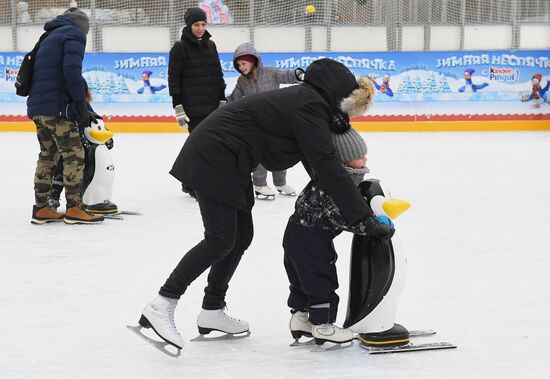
point(384, 220)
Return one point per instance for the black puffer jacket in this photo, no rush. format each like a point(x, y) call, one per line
point(277, 129)
point(195, 77)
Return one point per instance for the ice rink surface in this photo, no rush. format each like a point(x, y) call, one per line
point(477, 241)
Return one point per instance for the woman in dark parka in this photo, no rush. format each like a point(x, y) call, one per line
point(277, 129)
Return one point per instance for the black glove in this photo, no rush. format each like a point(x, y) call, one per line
point(94, 117)
point(109, 143)
point(376, 230)
point(83, 115)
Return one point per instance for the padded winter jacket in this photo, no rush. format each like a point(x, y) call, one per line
point(263, 79)
point(57, 80)
point(195, 78)
point(277, 129)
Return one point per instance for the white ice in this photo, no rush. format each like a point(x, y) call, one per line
point(477, 240)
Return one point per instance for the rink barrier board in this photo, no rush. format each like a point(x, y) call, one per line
point(401, 123)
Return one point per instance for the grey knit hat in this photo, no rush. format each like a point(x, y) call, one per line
point(349, 145)
point(79, 18)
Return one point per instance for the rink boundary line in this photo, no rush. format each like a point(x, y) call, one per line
point(363, 126)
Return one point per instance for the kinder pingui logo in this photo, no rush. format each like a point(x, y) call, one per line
point(10, 74)
point(504, 74)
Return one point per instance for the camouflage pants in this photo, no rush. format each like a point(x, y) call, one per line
point(58, 136)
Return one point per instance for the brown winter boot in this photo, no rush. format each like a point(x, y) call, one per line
point(77, 215)
point(43, 214)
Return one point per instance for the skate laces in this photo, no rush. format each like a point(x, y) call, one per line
point(326, 329)
point(170, 311)
point(227, 318)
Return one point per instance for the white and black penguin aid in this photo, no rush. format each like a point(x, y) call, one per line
point(100, 171)
point(377, 275)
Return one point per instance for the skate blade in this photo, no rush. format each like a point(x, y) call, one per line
point(303, 343)
point(287, 194)
point(334, 347)
point(409, 347)
point(162, 346)
point(223, 337)
point(265, 197)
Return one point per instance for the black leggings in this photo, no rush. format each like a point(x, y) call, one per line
point(228, 233)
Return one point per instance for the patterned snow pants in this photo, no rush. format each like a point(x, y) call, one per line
point(58, 136)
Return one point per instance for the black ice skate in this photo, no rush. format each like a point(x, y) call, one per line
point(219, 321)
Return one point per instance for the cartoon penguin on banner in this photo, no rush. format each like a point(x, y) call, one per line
point(469, 86)
point(99, 173)
point(377, 275)
point(147, 87)
point(538, 93)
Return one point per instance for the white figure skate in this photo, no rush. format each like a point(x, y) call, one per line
point(300, 326)
point(159, 316)
point(286, 190)
point(264, 192)
point(217, 320)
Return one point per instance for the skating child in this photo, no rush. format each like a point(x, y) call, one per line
point(309, 254)
point(256, 78)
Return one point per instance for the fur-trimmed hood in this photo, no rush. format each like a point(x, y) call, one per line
point(339, 87)
point(361, 99)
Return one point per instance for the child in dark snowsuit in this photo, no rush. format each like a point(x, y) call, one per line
point(309, 250)
point(256, 78)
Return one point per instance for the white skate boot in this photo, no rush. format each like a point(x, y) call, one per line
point(286, 190)
point(218, 320)
point(159, 315)
point(264, 192)
point(299, 326)
point(332, 333)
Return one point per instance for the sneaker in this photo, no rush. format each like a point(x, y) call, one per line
point(159, 315)
point(300, 325)
point(331, 333)
point(217, 319)
point(286, 190)
point(264, 192)
point(77, 215)
point(43, 214)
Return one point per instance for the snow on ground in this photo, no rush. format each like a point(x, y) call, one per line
point(476, 238)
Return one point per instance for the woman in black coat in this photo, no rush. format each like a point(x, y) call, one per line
point(195, 78)
point(277, 129)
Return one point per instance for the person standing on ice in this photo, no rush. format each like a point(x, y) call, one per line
point(278, 129)
point(195, 77)
point(310, 257)
point(57, 106)
point(256, 78)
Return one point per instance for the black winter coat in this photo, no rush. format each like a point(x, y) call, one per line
point(277, 129)
point(195, 78)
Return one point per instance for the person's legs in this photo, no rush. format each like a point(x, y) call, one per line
point(279, 178)
point(222, 271)
point(313, 256)
point(220, 223)
point(42, 212)
point(67, 139)
point(46, 159)
point(297, 299)
point(259, 176)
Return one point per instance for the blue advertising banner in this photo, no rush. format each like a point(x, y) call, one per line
point(481, 82)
